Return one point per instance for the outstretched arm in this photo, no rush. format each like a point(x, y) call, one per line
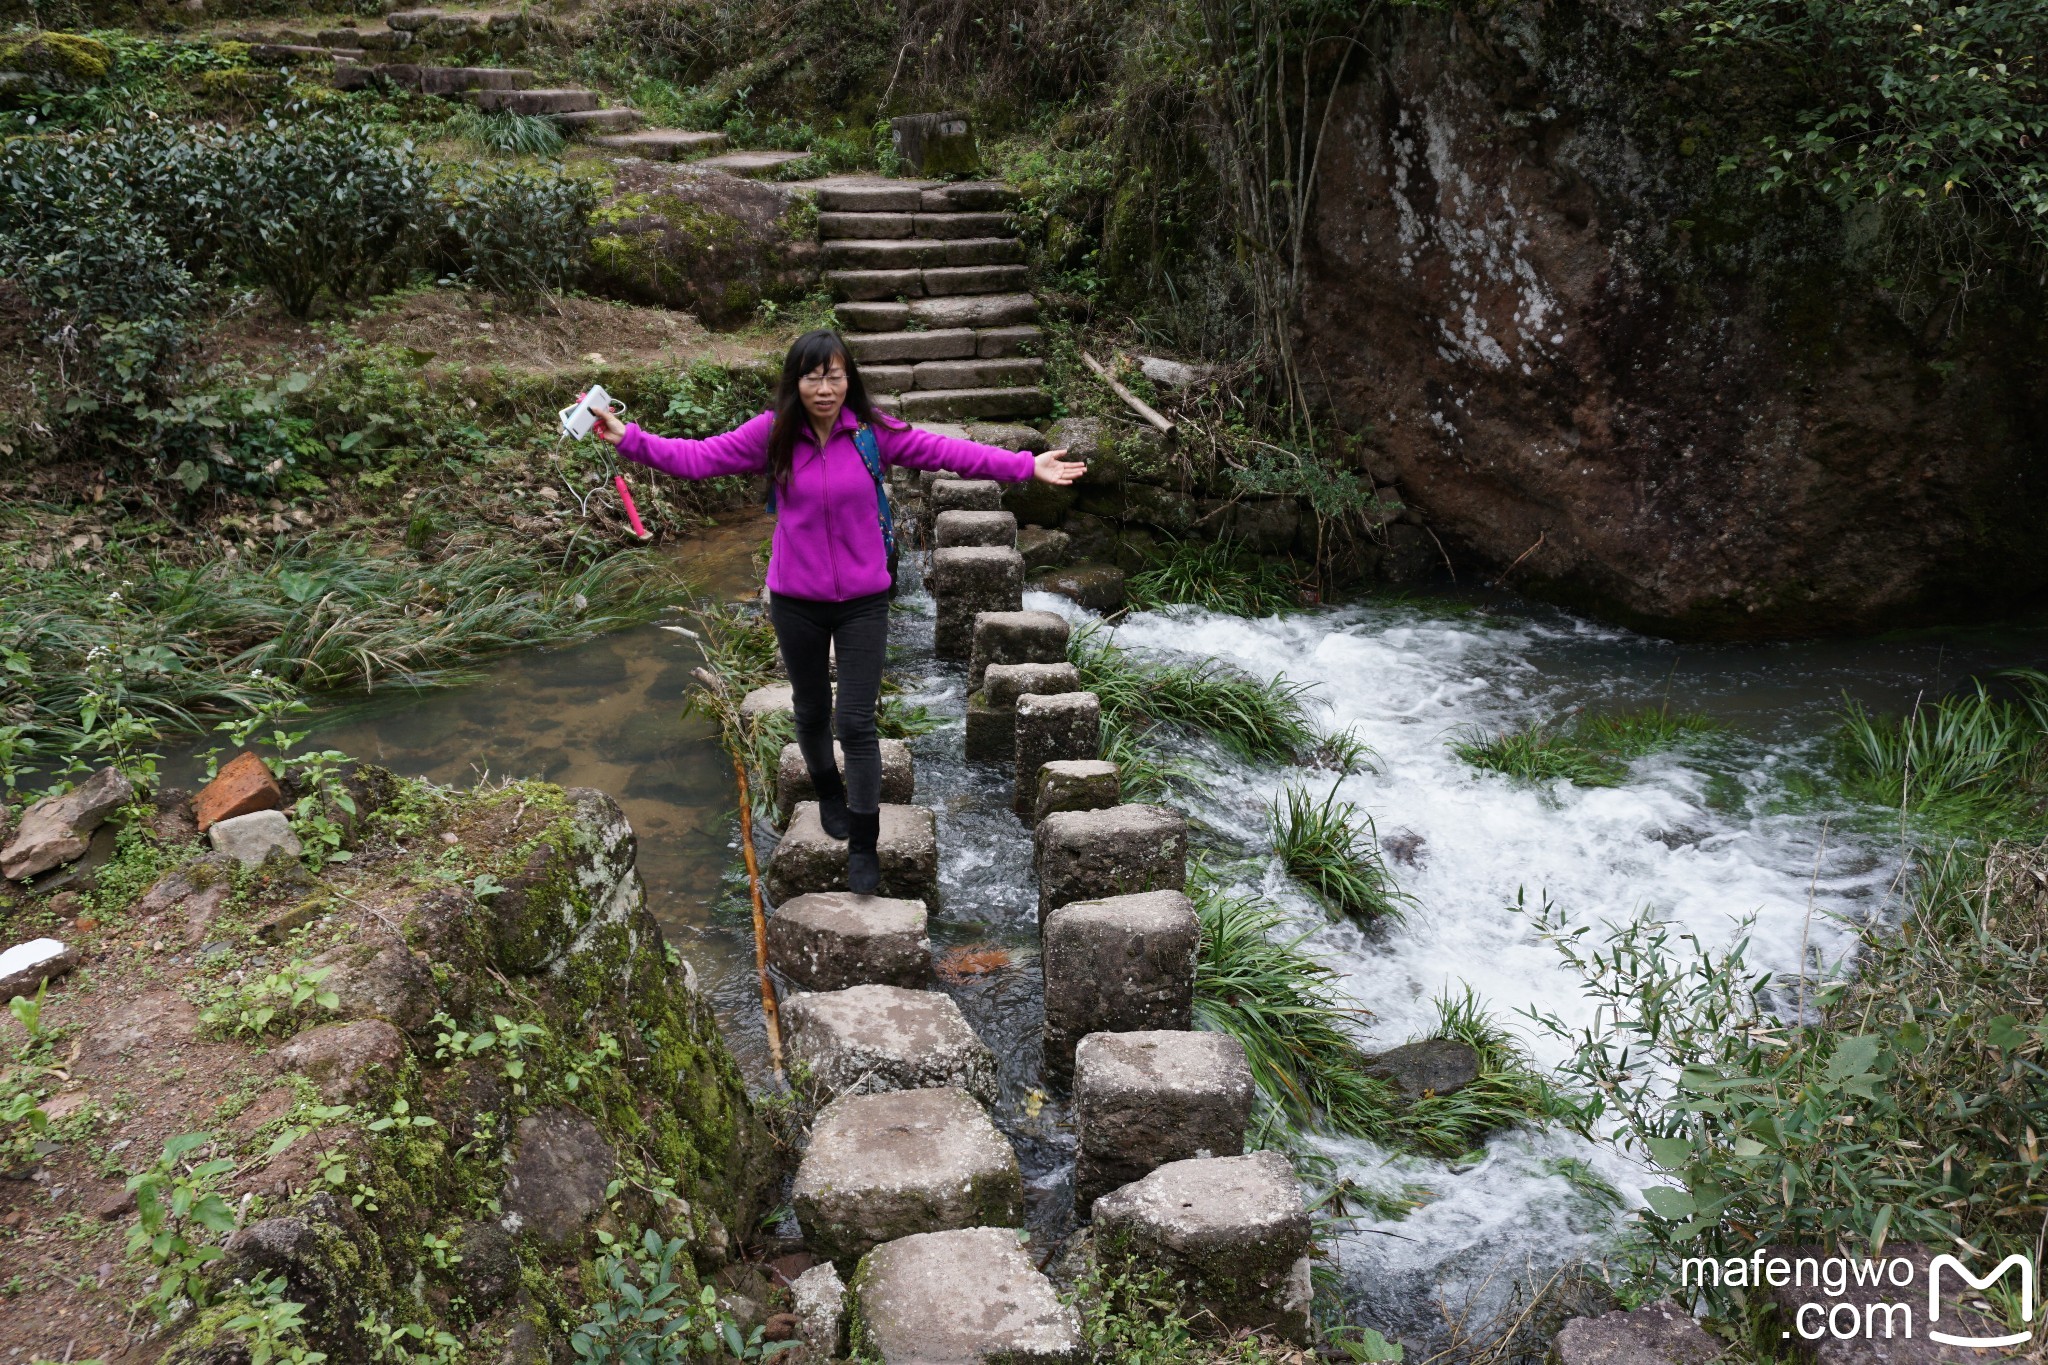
point(743, 450)
point(918, 449)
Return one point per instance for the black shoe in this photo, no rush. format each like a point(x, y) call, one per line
point(863, 867)
point(832, 805)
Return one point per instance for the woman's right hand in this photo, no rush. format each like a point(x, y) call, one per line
point(609, 428)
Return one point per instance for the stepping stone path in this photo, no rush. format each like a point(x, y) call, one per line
point(907, 1183)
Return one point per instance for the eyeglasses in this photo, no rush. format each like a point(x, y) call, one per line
point(825, 379)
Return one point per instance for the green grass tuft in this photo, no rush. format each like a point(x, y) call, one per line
point(1587, 751)
point(502, 131)
point(1253, 719)
point(1322, 845)
point(1973, 764)
point(1216, 574)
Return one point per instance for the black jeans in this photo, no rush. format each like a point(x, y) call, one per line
point(857, 631)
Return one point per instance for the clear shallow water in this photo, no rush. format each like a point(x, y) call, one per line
point(1705, 840)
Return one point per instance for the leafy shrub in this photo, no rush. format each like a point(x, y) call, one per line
point(319, 204)
point(518, 232)
point(283, 997)
point(643, 1316)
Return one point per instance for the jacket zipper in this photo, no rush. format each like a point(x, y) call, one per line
point(825, 505)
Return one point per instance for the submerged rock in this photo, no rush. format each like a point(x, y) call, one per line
point(1433, 1066)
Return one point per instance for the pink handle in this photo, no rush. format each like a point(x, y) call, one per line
point(632, 512)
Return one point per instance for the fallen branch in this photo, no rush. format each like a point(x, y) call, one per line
point(728, 730)
point(1136, 404)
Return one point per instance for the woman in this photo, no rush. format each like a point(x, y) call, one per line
point(828, 570)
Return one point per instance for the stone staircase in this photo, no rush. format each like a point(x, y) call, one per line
point(934, 303)
point(907, 1187)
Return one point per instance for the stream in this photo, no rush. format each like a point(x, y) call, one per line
point(1705, 838)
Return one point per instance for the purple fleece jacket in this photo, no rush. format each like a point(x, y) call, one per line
point(828, 534)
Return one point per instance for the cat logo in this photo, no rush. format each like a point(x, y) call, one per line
point(2026, 1269)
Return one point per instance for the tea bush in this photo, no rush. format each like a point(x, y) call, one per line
point(516, 232)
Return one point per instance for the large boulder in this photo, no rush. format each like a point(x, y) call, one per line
point(57, 829)
point(709, 244)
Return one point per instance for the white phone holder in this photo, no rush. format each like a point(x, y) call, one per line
point(579, 417)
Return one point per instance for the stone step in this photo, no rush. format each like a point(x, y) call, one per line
point(951, 343)
point(992, 710)
point(835, 939)
point(883, 1167)
point(974, 196)
point(841, 226)
point(871, 196)
point(1231, 1229)
point(793, 776)
point(561, 100)
point(959, 1298)
point(978, 311)
point(867, 1039)
point(864, 285)
point(1052, 727)
point(920, 405)
point(1016, 637)
point(1075, 784)
point(428, 80)
point(1010, 372)
point(962, 495)
point(662, 144)
point(751, 164)
point(921, 253)
point(582, 121)
point(974, 528)
point(967, 581)
point(807, 860)
point(1144, 1098)
point(1084, 855)
point(287, 54)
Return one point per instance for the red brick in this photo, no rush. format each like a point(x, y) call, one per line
point(244, 785)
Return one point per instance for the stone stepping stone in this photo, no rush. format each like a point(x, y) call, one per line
point(835, 939)
point(26, 966)
point(967, 581)
point(1015, 637)
point(662, 144)
point(807, 859)
point(1144, 1099)
point(1076, 784)
point(998, 529)
point(869, 1039)
point(992, 711)
point(751, 164)
point(764, 702)
point(1052, 727)
point(1116, 965)
point(1233, 1230)
point(793, 778)
point(962, 495)
point(881, 1167)
point(960, 1298)
point(1086, 855)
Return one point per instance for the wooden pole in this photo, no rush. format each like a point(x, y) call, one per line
point(1136, 404)
point(768, 1007)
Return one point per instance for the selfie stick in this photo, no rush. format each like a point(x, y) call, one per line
point(632, 512)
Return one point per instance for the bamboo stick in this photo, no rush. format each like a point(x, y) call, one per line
point(769, 1012)
point(1136, 404)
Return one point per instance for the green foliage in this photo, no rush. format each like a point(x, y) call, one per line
point(184, 640)
point(1938, 111)
point(1323, 847)
point(709, 398)
point(25, 1082)
point(1972, 764)
point(1901, 1103)
point(177, 1207)
point(1135, 1315)
point(642, 1316)
point(518, 232)
point(511, 1039)
point(273, 1328)
point(502, 131)
point(284, 997)
point(1215, 574)
point(1251, 718)
point(1587, 751)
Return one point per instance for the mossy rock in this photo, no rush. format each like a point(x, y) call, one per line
point(59, 60)
point(239, 84)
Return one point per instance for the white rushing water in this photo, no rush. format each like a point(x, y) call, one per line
point(1696, 847)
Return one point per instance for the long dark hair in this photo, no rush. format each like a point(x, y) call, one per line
point(812, 350)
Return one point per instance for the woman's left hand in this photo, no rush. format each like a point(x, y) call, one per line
point(1054, 468)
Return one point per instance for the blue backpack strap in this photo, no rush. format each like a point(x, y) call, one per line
point(871, 455)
